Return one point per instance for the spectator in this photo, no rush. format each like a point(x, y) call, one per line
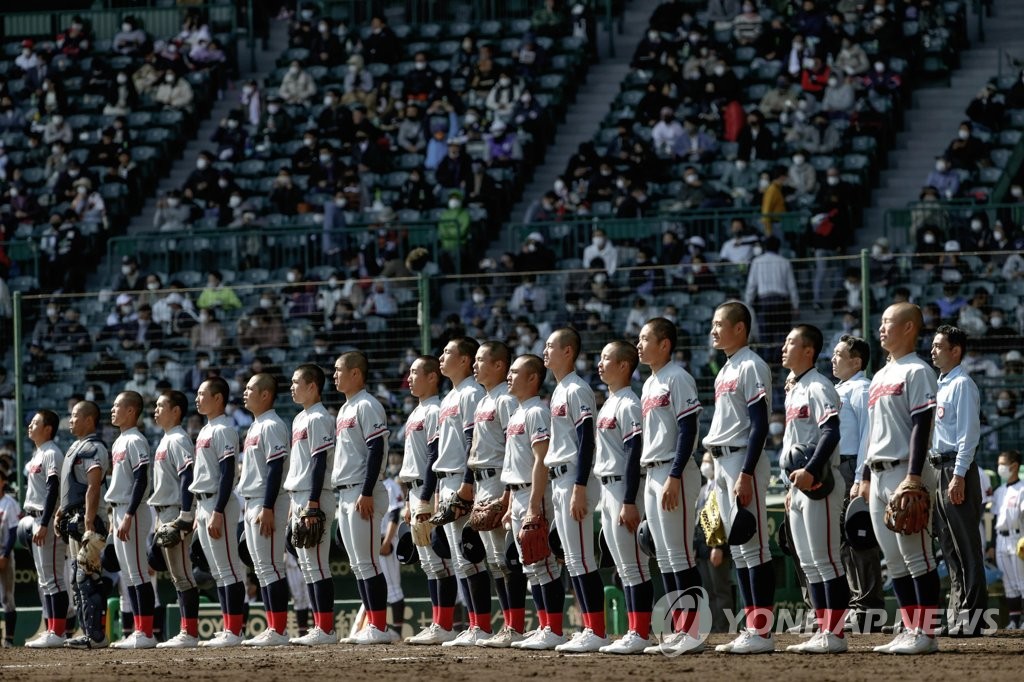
point(276, 125)
point(652, 53)
point(549, 20)
point(45, 333)
point(122, 97)
point(75, 41)
point(1015, 95)
point(380, 303)
point(453, 235)
point(299, 295)
point(802, 178)
point(814, 77)
point(231, 137)
point(986, 110)
point(344, 328)
point(636, 204)
point(454, 169)
point(477, 309)
point(973, 317)
point(773, 203)
point(694, 145)
point(852, 60)
point(382, 46)
point(503, 149)
point(71, 334)
point(772, 294)
point(131, 278)
point(175, 93)
point(739, 248)
point(944, 178)
point(141, 382)
point(528, 297)
point(297, 86)
point(416, 193)
point(748, 25)
point(216, 295)
point(502, 97)
point(411, 137)
point(666, 133)
point(950, 303)
point(967, 151)
point(260, 331)
point(778, 99)
point(601, 247)
point(57, 130)
point(285, 196)
point(534, 256)
point(131, 40)
point(756, 141)
point(839, 97)
point(419, 82)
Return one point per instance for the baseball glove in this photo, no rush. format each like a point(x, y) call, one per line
point(1020, 549)
point(308, 535)
point(533, 540)
point(452, 508)
point(171, 533)
point(487, 515)
point(909, 509)
point(90, 553)
point(710, 518)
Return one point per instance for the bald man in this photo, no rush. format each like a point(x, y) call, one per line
point(901, 408)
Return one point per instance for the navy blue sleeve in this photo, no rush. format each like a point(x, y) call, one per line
point(684, 443)
point(826, 446)
point(274, 475)
point(373, 464)
point(186, 494)
point(633, 448)
point(920, 436)
point(227, 481)
point(585, 463)
point(430, 477)
point(319, 473)
point(758, 434)
point(8, 544)
point(395, 516)
point(138, 488)
point(52, 493)
point(467, 476)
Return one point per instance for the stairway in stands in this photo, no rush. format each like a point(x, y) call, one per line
point(937, 110)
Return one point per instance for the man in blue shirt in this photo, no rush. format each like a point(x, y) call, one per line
point(958, 495)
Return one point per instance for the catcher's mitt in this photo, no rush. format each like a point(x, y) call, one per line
point(487, 515)
point(1020, 548)
point(308, 535)
point(90, 553)
point(909, 509)
point(710, 518)
point(533, 540)
point(170, 534)
point(452, 508)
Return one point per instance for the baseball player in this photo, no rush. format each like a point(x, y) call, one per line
point(863, 566)
point(265, 519)
point(217, 511)
point(526, 444)
point(486, 458)
point(49, 550)
point(574, 489)
point(958, 483)
point(129, 483)
point(736, 439)
point(901, 407)
point(420, 448)
point(172, 503)
point(10, 512)
point(454, 476)
point(389, 560)
point(812, 423)
point(1008, 507)
point(617, 467)
point(362, 441)
point(81, 476)
point(670, 408)
point(307, 483)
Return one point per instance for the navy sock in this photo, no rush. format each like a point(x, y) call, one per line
point(147, 599)
point(189, 602)
point(311, 591)
point(554, 597)
point(640, 598)
point(538, 596)
point(467, 598)
point(579, 593)
point(361, 586)
point(48, 610)
point(60, 603)
point(447, 591)
point(235, 598)
point(480, 593)
point(133, 597)
point(276, 600)
point(837, 594)
point(222, 598)
point(684, 580)
point(398, 613)
point(927, 588)
point(515, 586)
point(819, 597)
point(376, 593)
point(432, 589)
point(906, 594)
point(10, 624)
point(743, 582)
point(762, 585)
point(323, 591)
point(592, 589)
point(502, 590)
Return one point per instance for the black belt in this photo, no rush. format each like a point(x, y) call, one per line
point(205, 496)
point(555, 472)
point(1008, 533)
point(160, 507)
point(34, 514)
point(347, 487)
point(447, 474)
point(884, 465)
point(653, 465)
point(847, 458)
point(605, 480)
point(942, 458)
point(723, 450)
point(516, 487)
point(484, 474)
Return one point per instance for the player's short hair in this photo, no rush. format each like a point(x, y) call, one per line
point(908, 312)
point(811, 336)
point(496, 351)
point(956, 336)
point(178, 400)
point(567, 336)
point(50, 419)
point(736, 312)
point(467, 346)
point(625, 352)
point(312, 373)
point(133, 400)
point(356, 359)
point(430, 365)
point(1012, 455)
point(534, 365)
point(218, 386)
point(663, 329)
point(265, 382)
point(90, 409)
point(858, 348)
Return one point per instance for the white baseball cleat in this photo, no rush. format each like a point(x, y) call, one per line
point(748, 642)
point(126, 642)
point(532, 634)
point(269, 637)
point(223, 640)
point(820, 643)
point(141, 641)
point(630, 643)
point(182, 640)
point(545, 641)
point(431, 636)
point(468, 637)
point(315, 637)
point(46, 640)
point(898, 639)
point(393, 636)
point(683, 644)
point(502, 639)
point(916, 643)
point(370, 635)
point(583, 643)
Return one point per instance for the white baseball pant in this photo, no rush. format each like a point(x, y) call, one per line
point(362, 536)
point(132, 553)
point(815, 525)
point(222, 553)
point(267, 552)
point(540, 572)
point(314, 562)
point(904, 554)
point(728, 467)
point(672, 531)
point(631, 562)
point(577, 536)
point(179, 557)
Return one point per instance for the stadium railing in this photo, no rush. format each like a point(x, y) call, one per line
point(951, 217)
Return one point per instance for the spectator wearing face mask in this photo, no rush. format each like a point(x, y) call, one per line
point(528, 297)
point(175, 93)
point(601, 247)
point(453, 234)
point(839, 97)
point(217, 295)
point(230, 137)
point(131, 40)
point(382, 45)
point(652, 53)
point(121, 97)
point(967, 151)
point(802, 178)
point(276, 125)
point(851, 60)
point(944, 178)
point(131, 278)
point(297, 86)
point(666, 132)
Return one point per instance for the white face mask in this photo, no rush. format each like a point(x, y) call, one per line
point(1003, 403)
point(798, 160)
point(173, 202)
point(201, 164)
point(90, 395)
point(235, 201)
point(833, 180)
point(707, 470)
point(879, 67)
point(719, 70)
point(653, 36)
point(504, 82)
point(273, 108)
point(478, 298)
point(454, 203)
point(126, 269)
point(929, 238)
point(876, 250)
point(1004, 472)
point(1017, 192)
point(126, 27)
point(122, 78)
point(741, 165)
point(600, 278)
point(265, 303)
point(776, 428)
point(598, 242)
point(204, 318)
point(139, 378)
point(340, 202)
point(559, 186)
point(291, 277)
point(940, 166)
point(995, 322)
point(421, 66)
point(762, 184)
point(963, 134)
point(153, 286)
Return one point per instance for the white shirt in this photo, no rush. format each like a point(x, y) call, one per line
point(420, 430)
point(743, 380)
point(360, 420)
point(572, 405)
point(608, 254)
point(853, 419)
point(771, 275)
point(127, 454)
point(529, 424)
point(957, 418)
point(173, 455)
point(618, 422)
point(266, 441)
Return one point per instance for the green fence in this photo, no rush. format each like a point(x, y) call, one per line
point(901, 224)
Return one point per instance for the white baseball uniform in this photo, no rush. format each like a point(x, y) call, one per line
point(389, 562)
point(217, 441)
point(1008, 507)
point(129, 452)
point(173, 456)
point(486, 459)
point(10, 513)
point(267, 441)
point(312, 436)
point(49, 557)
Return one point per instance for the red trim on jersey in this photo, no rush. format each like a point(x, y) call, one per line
point(319, 564)
point(138, 561)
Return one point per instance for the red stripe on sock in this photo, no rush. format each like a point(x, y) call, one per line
point(542, 618)
point(279, 622)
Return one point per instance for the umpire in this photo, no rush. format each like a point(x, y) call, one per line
point(958, 492)
point(85, 465)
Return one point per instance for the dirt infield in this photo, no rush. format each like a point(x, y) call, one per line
point(997, 657)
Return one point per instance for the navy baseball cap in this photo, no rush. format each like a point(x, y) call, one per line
point(859, 531)
point(744, 525)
